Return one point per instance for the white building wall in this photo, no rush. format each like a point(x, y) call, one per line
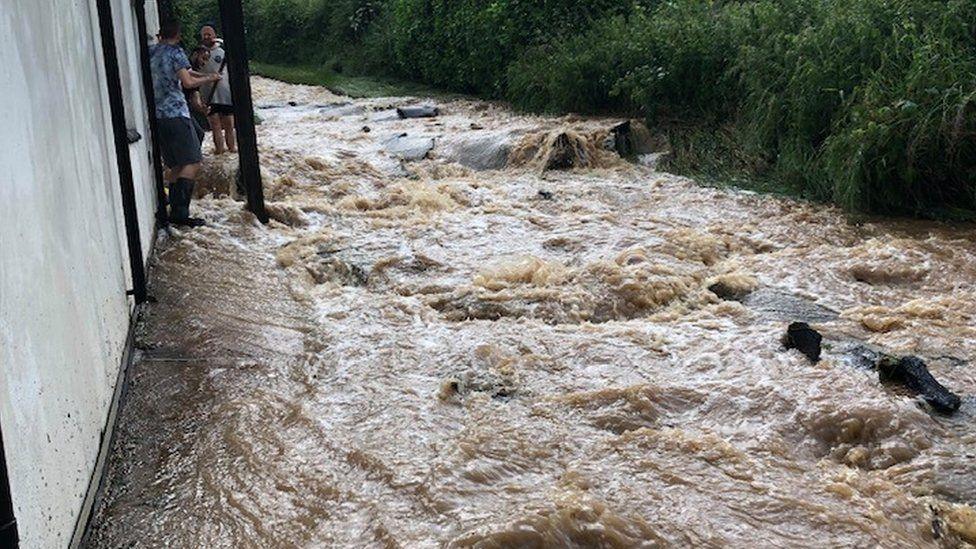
point(137, 117)
point(64, 314)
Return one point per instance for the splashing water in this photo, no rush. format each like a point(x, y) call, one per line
point(456, 351)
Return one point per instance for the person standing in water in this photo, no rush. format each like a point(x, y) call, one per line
point(218, 97)
point(179, 141)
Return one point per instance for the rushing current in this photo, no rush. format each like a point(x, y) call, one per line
point(487, 329)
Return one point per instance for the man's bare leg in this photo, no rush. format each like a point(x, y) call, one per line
point(227, 121)
point(189, 171)
point(218, 134)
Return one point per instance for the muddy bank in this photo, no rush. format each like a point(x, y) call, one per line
point(444, 349)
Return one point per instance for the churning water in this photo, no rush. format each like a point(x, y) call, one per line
point(483, 329)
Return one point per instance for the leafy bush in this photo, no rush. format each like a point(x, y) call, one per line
point(467, 45)
point(866, 103)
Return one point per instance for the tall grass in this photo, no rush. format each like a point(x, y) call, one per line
point(865, 103)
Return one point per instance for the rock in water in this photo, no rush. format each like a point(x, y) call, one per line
point(421, 111)
point(631, 139)
point(912, 373)
point(407, 147)
point(802, 337)
point(729, 292)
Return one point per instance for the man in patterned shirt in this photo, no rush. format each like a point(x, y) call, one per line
point(179, 141)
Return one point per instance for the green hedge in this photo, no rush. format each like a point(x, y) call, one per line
point(865, 103)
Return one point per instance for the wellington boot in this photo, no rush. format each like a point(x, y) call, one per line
point(180, 194)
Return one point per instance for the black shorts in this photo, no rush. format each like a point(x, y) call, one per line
point(179, 141)
point(221, 109)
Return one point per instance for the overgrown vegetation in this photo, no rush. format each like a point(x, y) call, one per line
point(865, 103)
point(352, 86)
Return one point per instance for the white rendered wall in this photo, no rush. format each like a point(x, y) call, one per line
point(63, 259)
point(137, 117)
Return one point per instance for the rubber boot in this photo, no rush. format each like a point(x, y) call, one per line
point(180, 194)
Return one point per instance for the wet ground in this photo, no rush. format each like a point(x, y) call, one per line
point(486, 329)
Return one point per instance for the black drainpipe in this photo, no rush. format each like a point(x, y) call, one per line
point(232, 19)
point(8, 523)
point(162, 219)
point(114, 83)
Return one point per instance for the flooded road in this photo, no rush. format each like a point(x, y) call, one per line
point(485, 329)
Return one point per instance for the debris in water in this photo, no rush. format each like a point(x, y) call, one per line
point(333, 270)
point(420, 111)
point(450, 389)
point(493, 384)
point(803, 338)
point(912, 373)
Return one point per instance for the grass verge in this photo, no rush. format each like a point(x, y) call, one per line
point(352, 86)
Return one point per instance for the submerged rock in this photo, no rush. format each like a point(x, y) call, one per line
point(486, 151)
point(912, 372)
point(420, 111)
point(777, 304)
point(408, 147)
point(732, 287)
point(802, 337)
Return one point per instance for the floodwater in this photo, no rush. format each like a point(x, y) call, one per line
point(459, 347)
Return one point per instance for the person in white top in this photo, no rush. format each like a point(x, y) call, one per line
point(217, 96)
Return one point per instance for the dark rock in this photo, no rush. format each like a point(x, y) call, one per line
point(419, 111)
point(911, 372)
point(293, 103)
point(366, 129)
point(545, 195)
point(802, 337)
point(631, 139)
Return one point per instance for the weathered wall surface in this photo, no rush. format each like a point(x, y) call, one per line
point(64, 314)
point(127, 35)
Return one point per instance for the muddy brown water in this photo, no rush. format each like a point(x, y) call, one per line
point(415, 353)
